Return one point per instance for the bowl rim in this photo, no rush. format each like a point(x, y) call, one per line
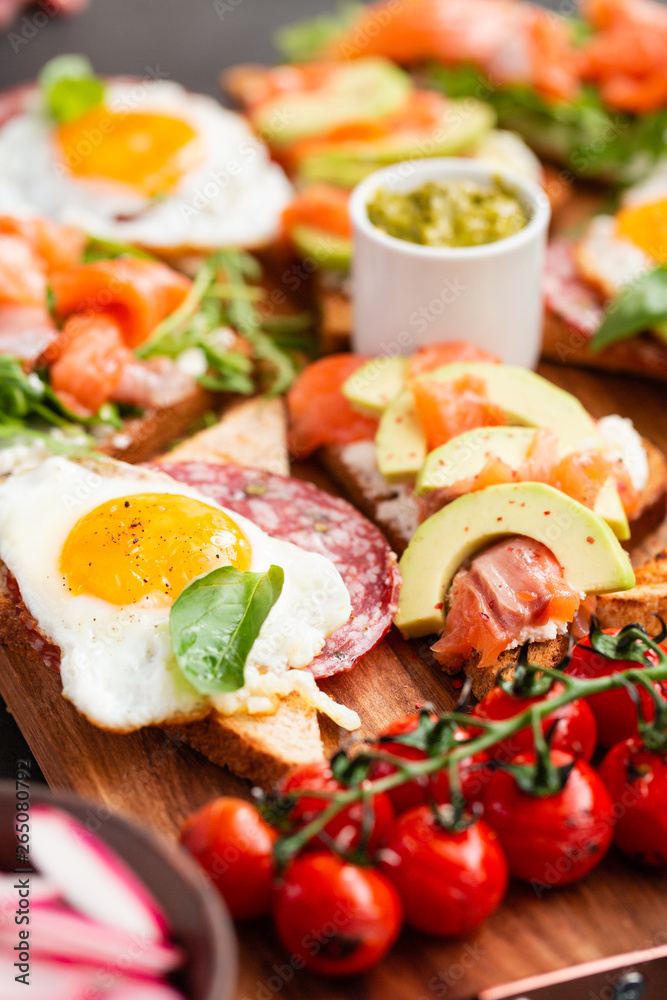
point(450, 168)
point(225, 968)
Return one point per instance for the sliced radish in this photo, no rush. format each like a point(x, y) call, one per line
point(48, 980)
point(56, 932)
point(91, 876)
point(135, 990)
point(13, 888)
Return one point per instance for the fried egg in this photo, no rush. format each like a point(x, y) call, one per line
point(152, 165)
point(100, 554)
point(617, 249)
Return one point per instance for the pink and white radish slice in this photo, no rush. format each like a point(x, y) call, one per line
point(91, 876)
point(40, 892)
point(48, 981)
point(56, 932)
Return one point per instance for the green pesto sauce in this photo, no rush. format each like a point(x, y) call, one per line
point(448, 213)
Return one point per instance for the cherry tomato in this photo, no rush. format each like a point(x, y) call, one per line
point(419, 791)
point(449, 882)
point(234, 845)
point(346, 827)
point(636, 778)
point(615, 712)
point(551, 839)
point(572, 726)
point(338, 918)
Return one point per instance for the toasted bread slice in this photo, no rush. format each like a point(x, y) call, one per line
point(646, 600)
point(148, 435)
point(252, 433)
point(542, 654)
point(257, 747)
point(643, 355)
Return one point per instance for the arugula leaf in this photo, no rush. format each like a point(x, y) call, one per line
point(70, 88)
point(638, 307)
point(97, 249)
point(244, 317)
point(215, 621)
point(30, 398)
point(305, 40)
point(220, 296)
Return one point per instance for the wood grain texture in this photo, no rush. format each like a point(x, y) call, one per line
point(156, 779)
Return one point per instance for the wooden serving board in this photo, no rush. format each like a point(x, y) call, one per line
point(155, 779)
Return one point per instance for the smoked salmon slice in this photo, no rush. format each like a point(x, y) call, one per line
point(319, 413)
point(26, 332)
point(581, 475)
point(22, 272)
point(627, 55)
point(322, 206)
point(508, 591)
point(137, 293)
point(447, 409)
point(57, 246)
point(91, 362)
point(432, 356)
point(509, 40)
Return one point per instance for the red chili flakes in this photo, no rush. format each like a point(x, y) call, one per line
point(499, 519)
point(590, 540)
point(546, 513)
point(439, 606)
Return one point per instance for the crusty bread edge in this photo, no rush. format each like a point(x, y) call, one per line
point(642, 356)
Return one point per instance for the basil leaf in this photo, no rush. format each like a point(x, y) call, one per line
point(638, 307)
point(215, 621)
point(70, 87)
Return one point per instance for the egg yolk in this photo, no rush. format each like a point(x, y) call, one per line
point(149, 152)
point(151, 544)
point(646, 226)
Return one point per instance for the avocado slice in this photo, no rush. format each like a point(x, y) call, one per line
point(400, 442)
point(326, 249)
point(585, 546)
point(465, 456)
point(359, 90)
point(376, 383)
point(346, 163)
point(529, 399)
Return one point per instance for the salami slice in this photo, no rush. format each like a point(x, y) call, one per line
point(566, 293)
point(301, 513)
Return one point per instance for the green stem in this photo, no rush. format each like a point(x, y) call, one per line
point(495, 732)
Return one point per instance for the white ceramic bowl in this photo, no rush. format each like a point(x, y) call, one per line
point(406, 295)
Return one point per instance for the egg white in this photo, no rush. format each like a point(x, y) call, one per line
point(608, 261)
point(117, 664)
point(233, 196)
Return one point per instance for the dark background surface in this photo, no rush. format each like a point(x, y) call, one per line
point(189, 40)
